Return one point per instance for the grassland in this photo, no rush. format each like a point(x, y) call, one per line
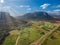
point(54, 39)
point(32, 33)
point(29, 35)
point(11, 39)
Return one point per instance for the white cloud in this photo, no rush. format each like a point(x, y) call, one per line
point(1, 1)
point(28, 9)
point(21, 6)
point(44, 6)
point(5, 8)
point(57, 10)
point(27, 6)
point(24, 6)
point(57, 6)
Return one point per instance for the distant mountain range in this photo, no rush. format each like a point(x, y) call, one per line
point(8, 21)
point(40, 16)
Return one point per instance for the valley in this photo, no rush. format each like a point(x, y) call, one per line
point(29, 22)
point(38, 29)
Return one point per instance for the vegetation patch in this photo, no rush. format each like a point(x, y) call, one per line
point(29, 35)
point(11, 39)
point(54, 41)
point(48, 26)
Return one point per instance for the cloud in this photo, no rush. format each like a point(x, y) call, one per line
point(24, 6)
point(56, 12)
point(5, 8)
point(28, 9)
point(44, 6)
point(57, 6)
point(21, 6)
point(1, 1)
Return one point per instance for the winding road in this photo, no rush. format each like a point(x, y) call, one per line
point(18, 37)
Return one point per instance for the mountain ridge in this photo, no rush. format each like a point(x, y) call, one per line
point(39, 16)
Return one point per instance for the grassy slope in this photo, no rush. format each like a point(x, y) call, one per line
point(10, 40)
point(55, 41)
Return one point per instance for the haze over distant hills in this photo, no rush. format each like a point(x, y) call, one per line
point(37, 16)
point(9, 22)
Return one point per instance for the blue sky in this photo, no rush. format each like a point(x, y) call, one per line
point(25, 6)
